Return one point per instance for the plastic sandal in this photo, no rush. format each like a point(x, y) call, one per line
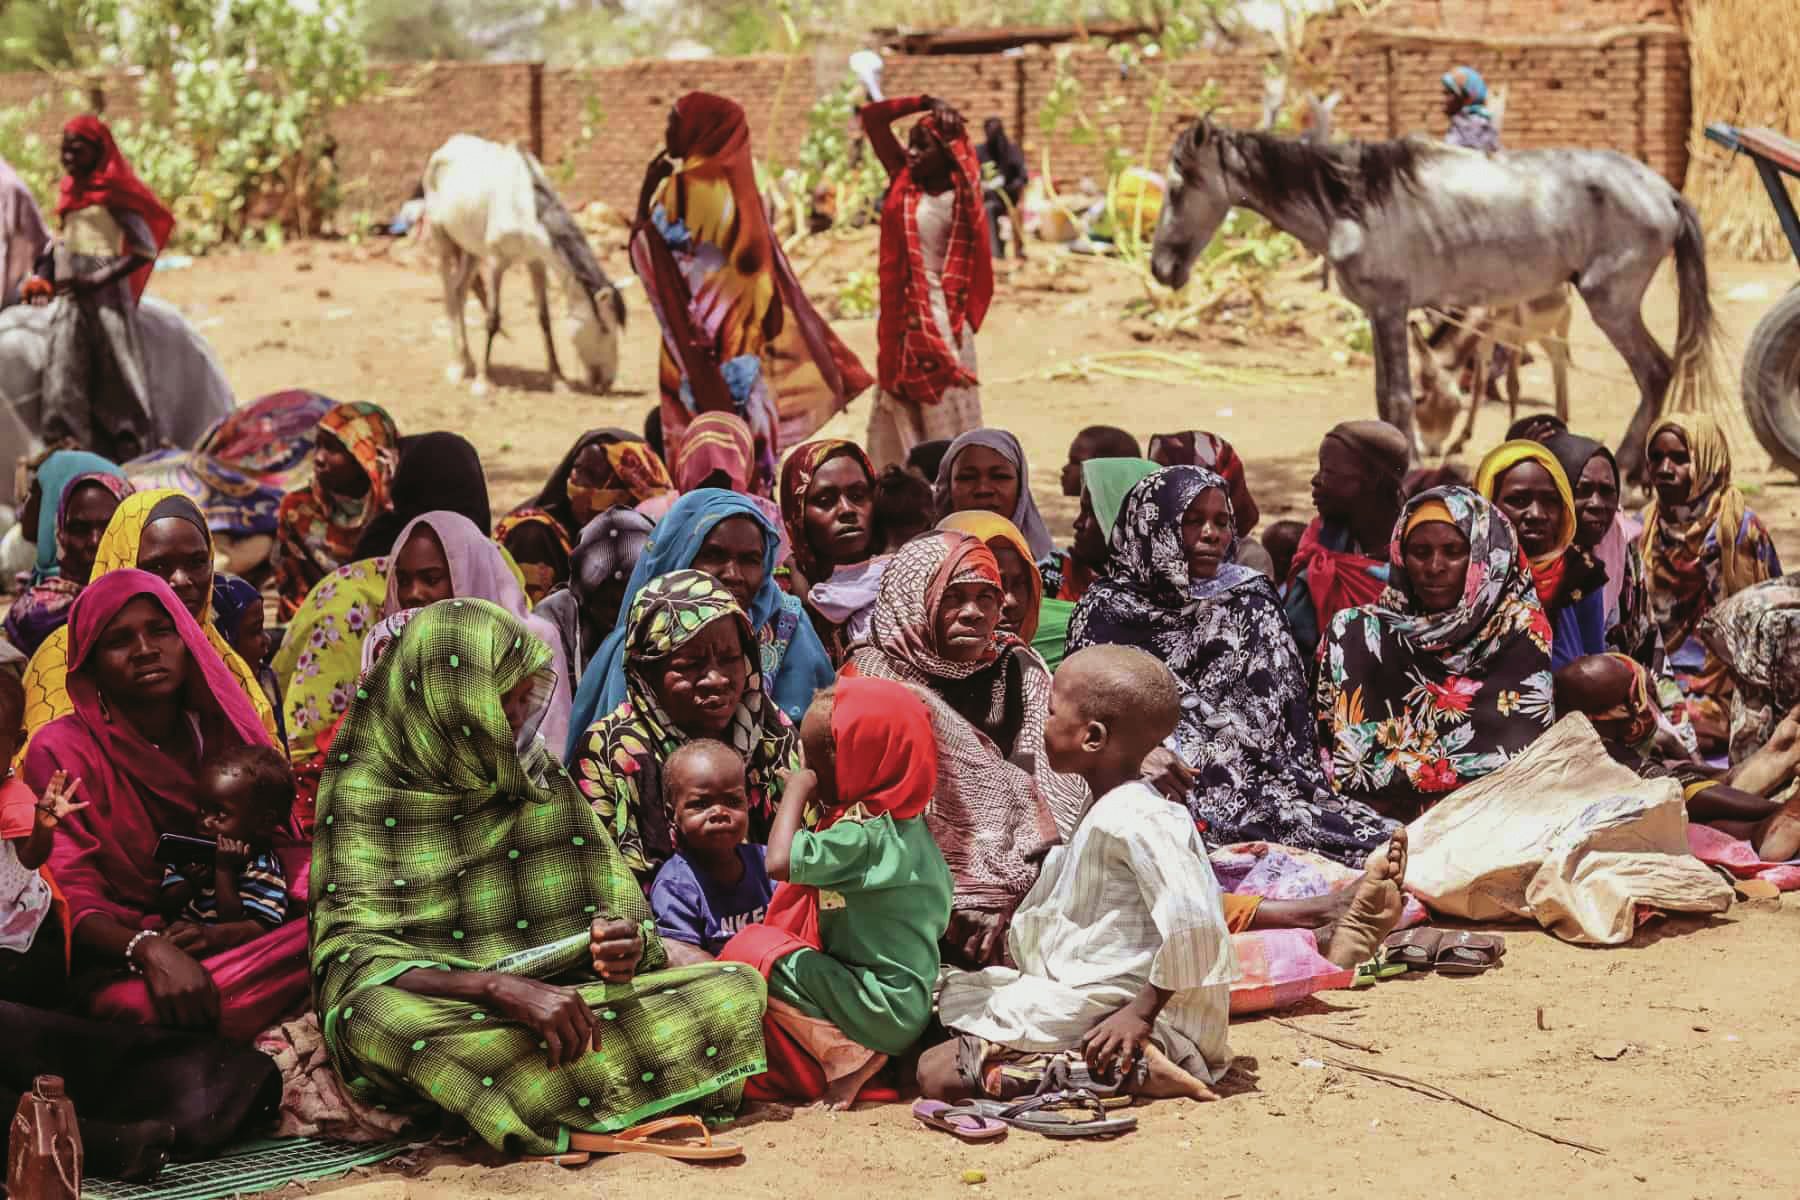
point(637, 1140)
point(960, 1121)
point(577, 1158)
point(1416, 948)
point(1466, 953)
point(1039, 1115)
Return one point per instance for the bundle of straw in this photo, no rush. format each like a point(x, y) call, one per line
point(1741, 62)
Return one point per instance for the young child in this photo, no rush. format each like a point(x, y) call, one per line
point(1282, 540)
point(246, 792)
point(904, 507)
point(1121, 946)
point(32, 920)
point(1096, 441)
point(850, 945)
point(716, 883)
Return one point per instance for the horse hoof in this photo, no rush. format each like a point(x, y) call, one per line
point(455, 374)
point(479, 388)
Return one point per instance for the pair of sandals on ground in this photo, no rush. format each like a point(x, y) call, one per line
point(1065, 1100)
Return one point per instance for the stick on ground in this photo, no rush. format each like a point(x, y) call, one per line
point(1437, 1093)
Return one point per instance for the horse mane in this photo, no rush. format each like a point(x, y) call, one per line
point(1340, 179)
point(567, 240)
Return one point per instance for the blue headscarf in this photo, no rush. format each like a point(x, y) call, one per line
point(53, 475)
point(1467, 83)
point(801, 666)
point(231, 599)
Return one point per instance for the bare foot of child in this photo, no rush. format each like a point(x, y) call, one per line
point(1163, 1080)
point(1375, 906)
point(840, 1093)
point(1779, 838)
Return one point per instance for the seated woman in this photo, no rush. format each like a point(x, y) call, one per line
point(1756, 634)
point(605, 468)
point(443, 556)
point(161, 532)
point(1448, 676)
point(1606, 531)
point(985, 471)
point(478, 943)
point(1524, 480)
point(998, 805)
point(828, 507)
point(150, 696)
point(726, 535)
point(319, 657)
point(1702, 545)
point(1021, 590)
point(690, 664)
point(1198, 448)
point(851, 979)
point(1613, 691)
point(586, 610)
point(1342, 559)
point(1069, 573)
point(538, 547)
point(73, 498)
point(319, 526)
point(1246, 726)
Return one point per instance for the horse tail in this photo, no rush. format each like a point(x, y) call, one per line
point(1695, 382)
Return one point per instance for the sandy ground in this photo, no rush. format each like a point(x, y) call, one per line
point(1693, 1106)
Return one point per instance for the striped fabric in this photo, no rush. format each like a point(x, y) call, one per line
point(1130, 900)
point(262, 886)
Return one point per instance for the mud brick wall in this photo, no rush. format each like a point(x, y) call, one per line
point(1490, 17)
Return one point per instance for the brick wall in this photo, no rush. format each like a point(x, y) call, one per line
point(1626, 91)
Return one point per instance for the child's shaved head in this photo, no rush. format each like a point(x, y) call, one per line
point(1592, 685)
point(1109, 441)
point(698, 758)
point(1125, 689)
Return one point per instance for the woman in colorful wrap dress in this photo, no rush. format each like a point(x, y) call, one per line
point(477, 942)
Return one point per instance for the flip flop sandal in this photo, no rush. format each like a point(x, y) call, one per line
point(960, 1121)
point(578, 1158)
point(638, 1140)
point(1369, 973)
point(1466, 953)
point(1069, 1072)
point(1416, 949)
point(1040, 1114)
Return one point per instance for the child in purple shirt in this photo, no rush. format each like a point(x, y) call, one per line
point(715, 885)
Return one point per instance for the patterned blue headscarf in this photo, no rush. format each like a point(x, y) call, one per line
point(1467, 83)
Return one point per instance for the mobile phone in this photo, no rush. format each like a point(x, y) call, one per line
point(178, 849)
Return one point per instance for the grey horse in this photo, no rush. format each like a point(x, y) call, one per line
point(1412, 224)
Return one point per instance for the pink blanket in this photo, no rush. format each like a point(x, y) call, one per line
point(1719, 849)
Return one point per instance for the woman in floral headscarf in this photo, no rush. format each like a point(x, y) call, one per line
point(319, 526)
point(1701, 545)
point(603, 469)
point(1448, 675)
point(680, 628)
point(1171, 587)
point(1198, 448)
point(937, 279)
point(539, 547)
point(739, 334)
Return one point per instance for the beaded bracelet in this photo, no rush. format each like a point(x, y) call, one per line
point(131, 963)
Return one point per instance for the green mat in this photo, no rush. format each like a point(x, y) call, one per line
point(257, 1166)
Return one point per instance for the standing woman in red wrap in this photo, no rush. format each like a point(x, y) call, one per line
point(937, 278)
point(739, 334)
point(113, 227)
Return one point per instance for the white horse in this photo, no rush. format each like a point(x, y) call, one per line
point(488, 206)
point(188, 391)
point(1411, 224)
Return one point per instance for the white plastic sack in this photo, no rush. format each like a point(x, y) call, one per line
point(1565, 836)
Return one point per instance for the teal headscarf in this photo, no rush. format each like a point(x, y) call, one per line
point(1467, 83)
point(1107, 480)
point(53, 475)
point(801, 668)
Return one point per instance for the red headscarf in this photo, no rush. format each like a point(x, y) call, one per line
point(717, 441)
point(918, 361)
point(113, 184)
point(105, 855)
point(1198, 448)
point(797, 476)
point(1335, 579)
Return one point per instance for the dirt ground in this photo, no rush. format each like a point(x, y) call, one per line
point(1695, 1105)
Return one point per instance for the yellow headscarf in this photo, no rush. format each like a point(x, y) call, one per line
point(991, 527)
point(47, 674)
point(1710, 456)
point(1505, 457)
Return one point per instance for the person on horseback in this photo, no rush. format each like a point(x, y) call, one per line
point(1465, 103)
point(113, 227)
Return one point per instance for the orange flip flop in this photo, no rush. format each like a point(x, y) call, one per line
point(638, 1140)
point(572, 1159)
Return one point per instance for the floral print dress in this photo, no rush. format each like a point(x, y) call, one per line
point(1411, 704)
point(1246, 723)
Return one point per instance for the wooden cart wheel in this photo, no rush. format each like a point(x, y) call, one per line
point(1771, 385)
